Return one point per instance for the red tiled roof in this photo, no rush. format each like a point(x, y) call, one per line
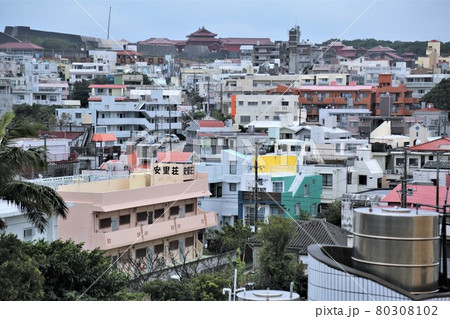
point(442, 144)
point(430, 109)
point(158, 41)
point(59, 134)
point(380, 48)
point(20, 46)
point(421, 194)
point(107, 86)
point(245, 41)
point(201, 32)
point(174, 157)
point(206, 134)
point(128, 53)
point(104, 137)
point(210, 123)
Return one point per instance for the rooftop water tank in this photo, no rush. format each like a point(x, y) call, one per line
point(398, 245)
point(267, 295)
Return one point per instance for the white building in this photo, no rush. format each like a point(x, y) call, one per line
point(102, 65)
point(19, 225)
point(157, 113)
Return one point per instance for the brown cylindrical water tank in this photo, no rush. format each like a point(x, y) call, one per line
point(398, 245)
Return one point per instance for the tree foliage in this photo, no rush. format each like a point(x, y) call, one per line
point(417, 47)
point(37, 202)
point(69, 271)
point(20, 278)
point(59, 270)
point(276, 264)
point(439, 95)
point(167, 290)
point(229, 238)
point(332, 213)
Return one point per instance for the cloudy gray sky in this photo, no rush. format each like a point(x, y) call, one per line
point(319, 20)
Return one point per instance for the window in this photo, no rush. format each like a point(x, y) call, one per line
point(285, 103)
point(277, 187)
point(327, 180)
point(173, 245)
point(125, 219)
point(245, 119)
point(399, 161)
point(413, 162)
point(233, 167)
point(241, 102)
point(276, 117)
point(141, 253)
point(158, 249)
point(250, 103)
point(105, 223)
point(349, 178)
point(215, 189)
point(232, 187)
point(141, 216)
point(52, 98)
point(78, 115)
point(306, 190)
point(174, 210)
point(159, 213)
point(27, 233)
point(189, 208)
point(189, 241)
point(362, 180)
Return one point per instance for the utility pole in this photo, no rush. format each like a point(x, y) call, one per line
point(437, 181)
point(170, 128)
point(404, 181)
point(255, 192)
point(208, 99)
point(109, 21)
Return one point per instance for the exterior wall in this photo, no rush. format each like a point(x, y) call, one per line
point(99, 216)
point(19, 225)
point(306, 197)
point(265, 107)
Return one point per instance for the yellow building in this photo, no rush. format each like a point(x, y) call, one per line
point(277, 164)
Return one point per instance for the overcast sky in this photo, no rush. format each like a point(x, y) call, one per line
point(319, 20)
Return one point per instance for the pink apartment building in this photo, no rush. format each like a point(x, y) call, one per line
point(151, 213)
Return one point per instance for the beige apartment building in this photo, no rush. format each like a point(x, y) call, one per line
point(150, 215)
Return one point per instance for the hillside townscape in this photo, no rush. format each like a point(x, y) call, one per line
point(218, 168)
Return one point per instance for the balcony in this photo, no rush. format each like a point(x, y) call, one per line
point(145, 233)
point(282, 109)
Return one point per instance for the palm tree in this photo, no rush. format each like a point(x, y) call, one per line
point(37, 202)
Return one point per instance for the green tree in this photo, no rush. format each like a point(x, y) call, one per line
point(332, 213)
point(439, 95)
point(80, 91)
point(20, 278)
point(167, 290)
point(229, 238)
point(37, 202)
point(208, 287)
point(72, 273)
point(276, 265)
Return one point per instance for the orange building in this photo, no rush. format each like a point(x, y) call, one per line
point(401, 97)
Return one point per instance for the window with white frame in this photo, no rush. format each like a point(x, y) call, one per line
point(277, 187)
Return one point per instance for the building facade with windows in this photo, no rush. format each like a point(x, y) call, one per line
point(148, 216)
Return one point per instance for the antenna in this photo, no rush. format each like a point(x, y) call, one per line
point(109, 21)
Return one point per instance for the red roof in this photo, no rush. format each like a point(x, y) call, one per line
point(418, 194)
point(206, 134)
point(201, 32)
point(99, 98)
point(104, 137)
point(158, 41)
point(128, 53)
point(245, 41)
point(59, 134)
point(107, 86)
point(174, 157)
point(20, 46)
point(442, 144)
point(210, 123)
point(380, 48)
point(430, 109)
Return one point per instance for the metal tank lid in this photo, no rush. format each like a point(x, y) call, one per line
point(267, 295)
point(395, 211)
